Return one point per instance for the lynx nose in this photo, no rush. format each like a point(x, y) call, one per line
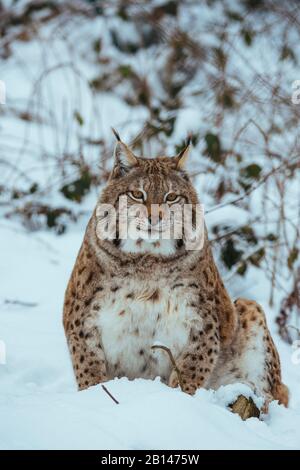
point(154, 219)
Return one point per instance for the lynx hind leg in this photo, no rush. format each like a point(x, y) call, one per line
point(258, 363)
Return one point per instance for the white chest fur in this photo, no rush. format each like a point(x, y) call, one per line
point(137, 316)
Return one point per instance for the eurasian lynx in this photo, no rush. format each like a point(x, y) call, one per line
point(124, 295)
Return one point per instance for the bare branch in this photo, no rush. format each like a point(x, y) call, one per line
point(171, 357)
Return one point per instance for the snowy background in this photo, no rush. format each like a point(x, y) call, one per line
point(156, 71)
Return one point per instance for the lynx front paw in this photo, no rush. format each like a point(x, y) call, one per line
point(186, 385)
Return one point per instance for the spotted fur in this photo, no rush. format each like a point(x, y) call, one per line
point(125, 295)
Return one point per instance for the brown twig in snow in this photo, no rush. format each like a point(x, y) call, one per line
point(110, 395)
point(171, 357)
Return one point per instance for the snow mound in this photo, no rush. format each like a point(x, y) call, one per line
point(149, 415)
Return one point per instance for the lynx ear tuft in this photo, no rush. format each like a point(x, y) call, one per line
point(116, 134)
point(181, 158)
point(124, 157)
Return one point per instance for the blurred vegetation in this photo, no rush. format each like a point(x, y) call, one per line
point(247, 141)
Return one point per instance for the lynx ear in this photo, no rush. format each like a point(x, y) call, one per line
point(181, 158)
point(124, 157)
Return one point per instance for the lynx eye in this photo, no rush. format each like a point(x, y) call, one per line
point(171, 197)
point(137, 195)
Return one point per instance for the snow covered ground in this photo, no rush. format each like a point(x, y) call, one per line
point(40, 407)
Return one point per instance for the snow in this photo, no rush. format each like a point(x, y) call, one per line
point(40, 407)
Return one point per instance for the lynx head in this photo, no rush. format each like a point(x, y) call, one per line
point(149, 197)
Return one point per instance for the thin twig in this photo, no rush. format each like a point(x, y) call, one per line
point(171, 357)
point(255, 186)
point(109, 394)
point(20, 302)
point(294, 328)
